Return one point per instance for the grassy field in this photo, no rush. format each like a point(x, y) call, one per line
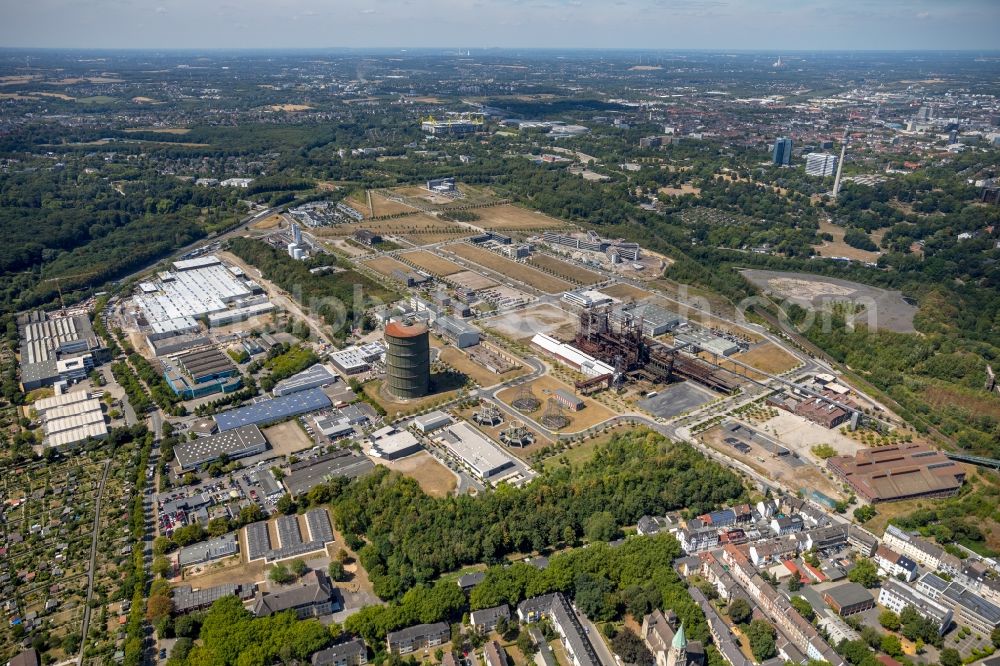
point(515, 218)
point(432, 263)
point(541, 281)
point(838, 248)
point(386, 265)
point(768, 357)
point(626, 292)
point(564, 269)
point(434, 478)
point(419, 228)
point(582, 452)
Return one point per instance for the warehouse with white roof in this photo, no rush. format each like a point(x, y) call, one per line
point(71, 418)
point(473, 449)
point(572, 356)
point(202, 287)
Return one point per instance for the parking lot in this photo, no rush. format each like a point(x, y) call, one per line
point(676, 399)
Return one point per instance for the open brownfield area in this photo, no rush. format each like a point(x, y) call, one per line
point(419, 227)
point(434, 478)
point(459, 360)
point(686, 188)
point(543, 388)
point(504, 266)
point(838, 248)
point(287, 437)
point(384, 206)
point(768, 357)
point(544, 318)
point(514, 218)
point(626, 292)
point(269, 222)
point(386, 265)
point(773, 467)
point(564, 269)
point(432, 263)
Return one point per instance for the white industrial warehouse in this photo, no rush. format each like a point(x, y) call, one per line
point(203, 287)
point(71, 418)
point(473, 449)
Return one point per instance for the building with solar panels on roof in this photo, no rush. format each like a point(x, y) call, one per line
point(407, 360)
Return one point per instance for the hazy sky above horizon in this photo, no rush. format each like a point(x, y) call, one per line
point(771, 25)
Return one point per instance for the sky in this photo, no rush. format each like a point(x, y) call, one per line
point(767, 25)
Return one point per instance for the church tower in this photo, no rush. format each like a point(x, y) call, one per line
point(678, 649)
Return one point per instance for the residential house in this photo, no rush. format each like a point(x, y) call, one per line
point(351, 653)
point(417, 637)
point(312, 596)
point(896, 596)
point(921, 551)
point(485, 620)
point(891, 563)
point(470, 580)
point(773, 550)
point(558, 610)
point(494, 654)
point(861, 541)
point(698, 539)
point(782, 525)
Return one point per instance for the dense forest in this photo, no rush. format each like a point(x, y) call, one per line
point(410, 538)
point(68, 222)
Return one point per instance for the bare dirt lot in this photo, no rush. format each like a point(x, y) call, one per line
point(626, 291)
point(686, 188)
point(286, 438)
point(800, 435)
point(290, 107)
point(523, 324)
point(434, 478)
point(515, 218)
point(530, 276)
point(471, 280)
point(543, 388)
point(432, 263)
point(882, 308)
point(794, 476)
point(564, 269)
point(386, 265)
